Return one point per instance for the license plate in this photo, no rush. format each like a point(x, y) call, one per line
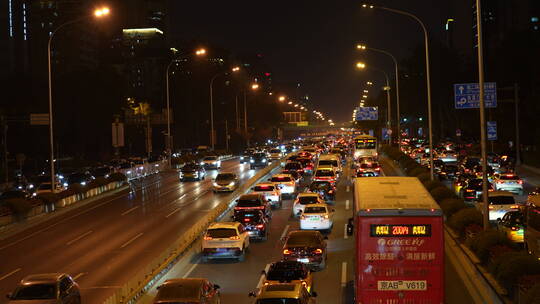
point(303, 260)
point(314, 218)
point(402, 285)
point(221, 250)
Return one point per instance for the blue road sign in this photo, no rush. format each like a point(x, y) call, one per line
point(385, 134)
point(492, 130)
point(467, 95)
point(367, 113)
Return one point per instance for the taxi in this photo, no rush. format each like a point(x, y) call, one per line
point(284, 293)
point(288, 272)
point(513, 225)
point(317, 217)
point(285, 182)
point(304, 199)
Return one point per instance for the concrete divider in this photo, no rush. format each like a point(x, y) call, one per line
point(151, 273)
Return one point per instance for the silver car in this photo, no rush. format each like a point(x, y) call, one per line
point(48, 288)
point(225, 182)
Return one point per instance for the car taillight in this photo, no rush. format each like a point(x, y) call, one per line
point(304, 283)
point(514, 207)
point(260, 226)
point(207, 238)
point(326, 216)
point(331, 191)
point(236, 237)
point(500, 182)
point(469, 190)
point(520, 182)
point(247, 220)
point(286, 252)
point(490, 207)
point(318, 251)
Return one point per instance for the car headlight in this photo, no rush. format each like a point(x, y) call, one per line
point(231, 184)
point(251, 161)
point(83, 183)
point(30, 186)
point(264, 160)
point(19, 187)
point(65, 184)
point(215, 184)
point(241, 157)
point(202, 163)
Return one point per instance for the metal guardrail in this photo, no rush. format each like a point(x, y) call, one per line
point(142, 170)
point(145, 278)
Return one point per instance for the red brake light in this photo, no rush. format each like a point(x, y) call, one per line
point(490, 207)
point(260, 226)
point(520, 182)
point(318, 251)
point(286, 252)
point(207, 238)
point(247, 220)
point(514, 207)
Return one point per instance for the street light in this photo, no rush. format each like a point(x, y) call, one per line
point(212, 131)
point(366, 91)
point(369, 83)
point(360, 65)
point(428, 81)
point(282, 98)
point(387, 89)
point(98, 13)
point(200, 51)
point(364, 96)
point(364, 47)
point(167, 73)
point(255, 86)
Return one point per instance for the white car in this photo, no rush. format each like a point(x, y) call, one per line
point(317, 217)
point(270, 192)
point(211, 162)
point(225, 240)
point(448, 156)
point(508, 182)
point(285, 182)
point(304, 199)
point(500, 202)
point(275, 154)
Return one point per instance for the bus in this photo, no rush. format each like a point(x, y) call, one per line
point(365, 146)
point(399, 251)
point(532, 231)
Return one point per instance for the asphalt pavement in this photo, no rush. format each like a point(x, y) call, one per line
point(102, 245)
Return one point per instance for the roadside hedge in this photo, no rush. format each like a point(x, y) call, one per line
point(486, 241)
point(19, 207)
point(464, 218)
point(450, 206)
point(533, 295)
point(514, 267)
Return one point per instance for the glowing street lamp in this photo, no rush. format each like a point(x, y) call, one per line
point(360, 65)
point(282, 98)
point(366, 91)
point(235, 69)
point(255, 86)
point(200, 52)
point(369, 83)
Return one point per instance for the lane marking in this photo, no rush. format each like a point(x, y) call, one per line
point(259, 285)
point(129, 210)
point(284, 232)
point(9, 274)
point(343, 274)
point(348, 188)
point(173, 212)
point(79, 275)
point(131, 240)
point(78, 238)
point(347, 205)
point(345, 235)
point(190, 270)
point(102, 287)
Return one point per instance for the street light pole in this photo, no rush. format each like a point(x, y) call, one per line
point(168, 113)
point(212, 140)
point(483, 136)
point(428, 77)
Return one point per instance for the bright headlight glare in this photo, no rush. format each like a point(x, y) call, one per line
point(252, 161)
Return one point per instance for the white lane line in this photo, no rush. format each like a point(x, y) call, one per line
point(173, 212)
point(78, 238)
point(131, 240)
point(78, 276)
point(343, 274)
point(348, 188)
point(190, 270)
point(128, 211)
point(8, 274)
point(284, 231)
point(345, 235)
point(259, 285)
point(347, 204)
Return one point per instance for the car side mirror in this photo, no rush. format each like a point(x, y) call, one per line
point(216, 287)
point(314, 294)
point(252, 294)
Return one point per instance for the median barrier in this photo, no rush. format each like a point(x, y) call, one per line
point(151, 273)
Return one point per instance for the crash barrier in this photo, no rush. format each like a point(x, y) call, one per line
point(142, 170)
point(7, 218)
point(509, 272)
point(140, 283)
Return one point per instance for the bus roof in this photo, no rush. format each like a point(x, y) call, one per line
point(393, 196)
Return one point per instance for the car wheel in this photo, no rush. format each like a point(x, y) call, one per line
point(242, 257)
point(204, 260)
point(265, 238)
point(322, 265)
point(280, 204)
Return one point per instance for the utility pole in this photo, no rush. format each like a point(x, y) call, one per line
point(516, 104)
point(4, 142)
point(245, 118)
point(226, 135)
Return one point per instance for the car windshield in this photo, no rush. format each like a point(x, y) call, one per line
point(285, 274)
point(190, 167)
point(221, 232)
point(327, 163)
point(225, 176)
point(501, 200)
point(281, 179)
point(248, 203)
point(293, 166)
point(305, 200)
point(177, 291)
point(324, 173)
point(509, 177)
point(302, 239)
point(315, 210)
point(35, 292)
point(264, 188)
point(259, 155)
point(210, 158)
point(278, 301)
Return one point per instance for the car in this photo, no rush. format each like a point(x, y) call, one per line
point(472, 189)
point(365, 174)
point(188, 290)
point(331, 160)
point(275, 154)
point(246, 155)
point(258, 160)
point(365, 167)
point(307, 163)
point(211, 162)
point(294, 166)
point(81, 178)
point(103, 171)
point(284, 293)
point(508, 182)
point(255, 222)
point(225, 182)
point(271, 192)
point(46, 188)
point(253, 201)
point(448, 171)
point(500, 202)
point(57, 288)
point(325, 189)
point(288, 272)
point(308, 247)
point(304, 199)
point(285, 182)
point(513, 225)
point(225, 240)
point(323, 174)
point(192, 171)
point(468, 164)
point(317, 217)
point(460, 181)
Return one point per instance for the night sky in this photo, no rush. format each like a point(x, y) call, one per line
point(313, 42)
